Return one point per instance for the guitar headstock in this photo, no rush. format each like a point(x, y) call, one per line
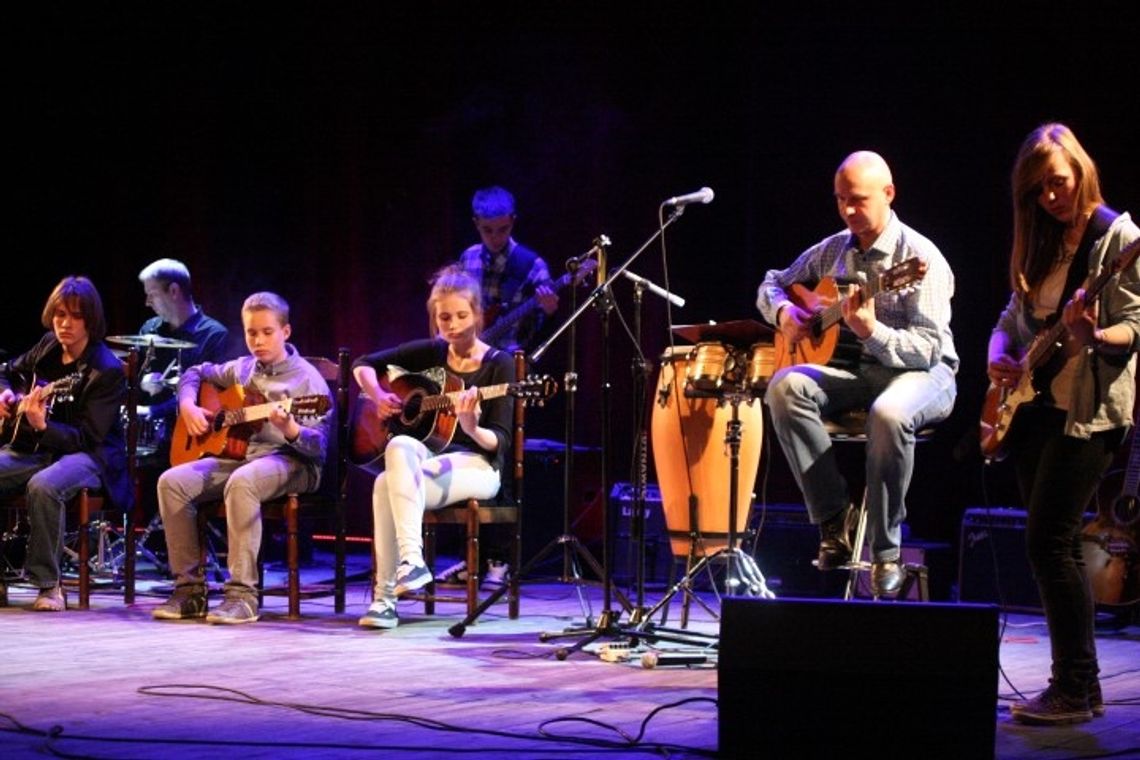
point(63, 389)
point(585, 269)
point(534, 389)
point(902, 276)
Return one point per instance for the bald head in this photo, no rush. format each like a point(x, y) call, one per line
point(864, 191)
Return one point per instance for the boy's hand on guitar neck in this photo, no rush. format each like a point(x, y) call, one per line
point(283, 420)
point(35, 409)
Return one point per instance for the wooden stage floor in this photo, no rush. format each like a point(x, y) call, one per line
point(113, 683)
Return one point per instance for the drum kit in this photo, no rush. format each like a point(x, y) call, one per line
point(707, 429)
point(152, 430)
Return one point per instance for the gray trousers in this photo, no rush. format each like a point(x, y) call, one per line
point(49, 486)
point(243, 485)
point(899, 403)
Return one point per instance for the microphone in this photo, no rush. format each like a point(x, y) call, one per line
point(704, 195)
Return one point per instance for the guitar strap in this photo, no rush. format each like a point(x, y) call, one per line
point(1098, 224)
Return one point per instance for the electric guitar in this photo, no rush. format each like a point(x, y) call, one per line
point(15, 431)
point(1002, 402)
point(501, 325)
point(823, 337)
point(236, 413)
point(428, 409)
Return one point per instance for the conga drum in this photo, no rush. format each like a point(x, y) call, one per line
point(761, 367)
point(689, 451)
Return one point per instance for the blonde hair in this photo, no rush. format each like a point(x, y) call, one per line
point(452, 280)
point(266, 301)
point(1037, 235)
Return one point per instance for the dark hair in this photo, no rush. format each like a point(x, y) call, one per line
point(77, 294)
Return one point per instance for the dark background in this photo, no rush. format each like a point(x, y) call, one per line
point(330, 155)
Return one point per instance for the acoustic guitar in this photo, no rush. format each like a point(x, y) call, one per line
point(1001, 402)
point(501, 324)
point(1110, 543)
point(428, 409)
point(235, 414)
point(827, 312)
point(15, 431)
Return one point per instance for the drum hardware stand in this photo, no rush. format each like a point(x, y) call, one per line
point(574, 551)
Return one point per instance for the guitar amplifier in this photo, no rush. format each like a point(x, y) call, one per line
point(992, 563)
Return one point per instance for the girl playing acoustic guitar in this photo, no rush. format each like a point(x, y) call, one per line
point(470, 458)
point(1066, 436)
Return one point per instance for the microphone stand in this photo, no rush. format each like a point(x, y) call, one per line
point(573, 551)
point(607, 624)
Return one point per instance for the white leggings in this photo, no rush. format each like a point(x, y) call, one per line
point(414, 480)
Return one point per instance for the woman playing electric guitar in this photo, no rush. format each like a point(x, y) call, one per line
point(1065, 438)
point(415, 479)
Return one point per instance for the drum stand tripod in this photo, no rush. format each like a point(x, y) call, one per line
point(742, 576)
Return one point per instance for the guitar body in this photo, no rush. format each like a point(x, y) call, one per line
point(1110, 544)
point(228, 442)
point(819, 347)
point(997, 415)
point(15, 433)
point(434, 427)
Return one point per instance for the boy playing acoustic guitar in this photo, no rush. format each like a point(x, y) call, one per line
point(281, 456)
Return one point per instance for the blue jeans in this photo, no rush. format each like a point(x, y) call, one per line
point(49, 487)
point(899, 403)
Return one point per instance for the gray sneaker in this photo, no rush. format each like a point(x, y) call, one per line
point(380, 615)
point(410, 577)
point(235, 610)
point(182, 605)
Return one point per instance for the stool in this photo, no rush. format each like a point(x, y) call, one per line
point(851, 427)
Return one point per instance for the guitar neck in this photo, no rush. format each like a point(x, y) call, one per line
point(831, 315)
point(447, 400)
point(1047, 342)
point(1132, 472)
point(252, 413)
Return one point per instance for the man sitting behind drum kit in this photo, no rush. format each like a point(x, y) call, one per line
point(904, 375)
point(178, 320)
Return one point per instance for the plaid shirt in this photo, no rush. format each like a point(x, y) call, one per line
point(500, 294)
point(912, 329)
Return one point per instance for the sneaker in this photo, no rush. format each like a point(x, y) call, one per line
point(455, 575)
point(1096, 699)
point(50, 600)
point(497, 573)
point(1052, 708)
point(381, 614)
point(410, 577)
point(235, 610)
point(182, 605)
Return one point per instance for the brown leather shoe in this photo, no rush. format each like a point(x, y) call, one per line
point(886, 578)
point(50, 600)
point(3, 594)
point(835, 540)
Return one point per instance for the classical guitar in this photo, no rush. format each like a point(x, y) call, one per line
point(827, 308)
point(427, 414)
point(501, 324)
point(1110, 543)
point(1002, 402)
point(15, 431)
point(236, 413)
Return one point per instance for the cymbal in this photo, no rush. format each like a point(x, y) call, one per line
point(740, 333)
point(144, 341)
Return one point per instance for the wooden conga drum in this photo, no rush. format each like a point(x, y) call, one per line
point(691, 456)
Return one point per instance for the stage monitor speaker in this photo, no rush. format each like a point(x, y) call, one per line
point(808, 678)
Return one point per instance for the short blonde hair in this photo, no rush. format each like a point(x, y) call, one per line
point(266, 301)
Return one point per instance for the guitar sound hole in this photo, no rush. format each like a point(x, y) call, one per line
point(411, 411)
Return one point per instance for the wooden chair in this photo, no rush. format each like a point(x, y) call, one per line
point(326, 502)
point(92, 501)
point(473, 513)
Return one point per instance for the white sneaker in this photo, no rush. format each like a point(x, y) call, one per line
point(498, 573)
